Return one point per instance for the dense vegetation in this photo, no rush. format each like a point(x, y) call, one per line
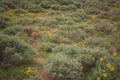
point(59, 40)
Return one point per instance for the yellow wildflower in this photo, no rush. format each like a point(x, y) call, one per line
point(104, 74)
point(101, 59)
point(112, 68)
point(98, 78)
point(30, 70)
point(21, 14)
point(81, 43)
point(108, 65)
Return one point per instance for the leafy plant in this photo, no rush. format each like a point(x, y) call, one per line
point(60, 66)
point(48, 46)
point(18, 51)
point(2, 9)
point(35, 8)
point(68, 8)
point(104, 27)
point(4, 21)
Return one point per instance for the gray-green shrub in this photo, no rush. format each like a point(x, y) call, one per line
point(14, 51)
point(48, 46)
point(62, 67)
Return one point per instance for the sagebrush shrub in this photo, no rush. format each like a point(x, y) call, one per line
point(20, 11)
point(62, 67)
point(78, 16)
point(95, 41)
point(35, 8)
point(48, 46)
point(13, 30)
point(66, 41)
point(104, 27)
point(4, 21)
point(10, 3)
point(2, 9)
point(14, 51)
point(67, 49)
point(68, 8)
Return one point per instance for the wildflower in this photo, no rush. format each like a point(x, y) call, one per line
point(101, 59)
point(98, 78)
point(94, 16)
point(81, 43)
point(108, 65)
point(112, 68)
point(104, 74)
point(21, 14)
point(30, 70)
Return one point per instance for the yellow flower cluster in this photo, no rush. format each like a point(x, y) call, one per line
point(31, 14)
point(22, 15)
point(104, 74)
point(108, 65)
point(81, 43)
point(101, 59)
point(112, 68)
point(30, 71)
point(98, 78)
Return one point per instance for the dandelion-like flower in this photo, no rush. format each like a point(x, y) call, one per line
point(30, 71)
point(108, 65)
point(98, 78)
point(112, 68)
point(104, 74)
point(101, 59)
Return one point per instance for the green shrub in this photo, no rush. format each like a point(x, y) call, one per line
point(55, 6)
point(2, 9)
point(89, 56)
point(95, 41)
point(115, 15)
point(13, 30)
point(67, 49)
point(53, 13)
point(92, 10)
point(20, 11)
point(48, 46)
point(62, 67)
point(9, 4)
point(68, 8)
point(68, 27)
point(46, 4)
point(66, 41)
point(86, 55)
point(104, 15)
point(75, 35)
point(3, 21)
point(118, 26)
point(65, 2)
point(10, 73)
point(14, 51)
point(52, 23)
point(2, 74)
point(104, 27)
point(35, 8)
point(92, 4)
point(78, 16)
point(25, 4)
point(23, 21)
